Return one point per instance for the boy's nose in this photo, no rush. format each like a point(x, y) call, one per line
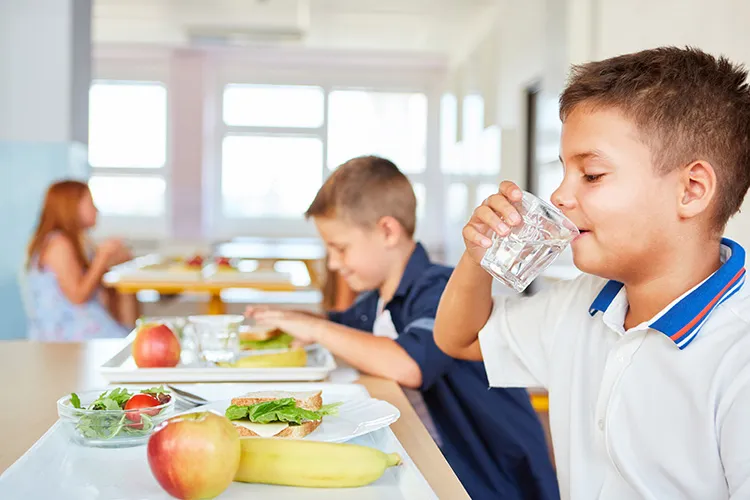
point(333, 263)
point(563, 197)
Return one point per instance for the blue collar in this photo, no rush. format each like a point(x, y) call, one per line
point(418, 263)
point(684, 319)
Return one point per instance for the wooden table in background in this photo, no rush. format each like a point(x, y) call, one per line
point(212, 288)
point(311, 252)
point(127, 280)
point(35, 375)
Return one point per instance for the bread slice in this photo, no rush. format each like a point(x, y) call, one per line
point(309, 400)
point(257, 333)
point(292, 431)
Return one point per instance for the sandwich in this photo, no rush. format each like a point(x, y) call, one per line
point(259, 338)
point(279, 413)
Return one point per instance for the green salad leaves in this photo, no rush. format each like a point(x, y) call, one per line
point(106, 425)
point(280, 410)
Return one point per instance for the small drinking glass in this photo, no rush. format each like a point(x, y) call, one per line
point(217, 336)
point(520, 256)
point(178, 325)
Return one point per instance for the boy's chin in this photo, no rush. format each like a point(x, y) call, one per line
point(355, 284)
point(359, 286)
point(586, 262)
point(595, 265)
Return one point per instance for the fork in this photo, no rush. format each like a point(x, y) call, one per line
point(187, 397)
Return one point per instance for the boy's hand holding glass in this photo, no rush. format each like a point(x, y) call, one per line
point(496, 215)
point(515, 236)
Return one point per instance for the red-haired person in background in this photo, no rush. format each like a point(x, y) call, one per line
point(66, 301)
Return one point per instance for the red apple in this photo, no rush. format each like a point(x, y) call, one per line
point(156, 346)
point(194, 456)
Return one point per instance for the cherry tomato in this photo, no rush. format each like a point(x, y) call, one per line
point(138, 401)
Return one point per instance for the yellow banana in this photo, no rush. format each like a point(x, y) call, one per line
point(291, 358)
point(311, 464)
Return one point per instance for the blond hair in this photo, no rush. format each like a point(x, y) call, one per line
point(364, 190)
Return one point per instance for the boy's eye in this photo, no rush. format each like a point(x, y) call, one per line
point(593, 178)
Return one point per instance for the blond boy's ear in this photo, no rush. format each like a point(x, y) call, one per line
point(392, 230)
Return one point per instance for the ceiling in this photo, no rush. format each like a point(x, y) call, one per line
point(437, 26)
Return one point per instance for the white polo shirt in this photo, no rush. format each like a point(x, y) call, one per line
point(660, 411)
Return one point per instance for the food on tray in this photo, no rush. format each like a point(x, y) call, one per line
point(116, 412)
point(137, 402)
point(293, 462)
point(194, 456)
point(156, 346)
point(294, 357)
point(260, 338)
point(224, 264)
point(194, 262)
point(279, 413)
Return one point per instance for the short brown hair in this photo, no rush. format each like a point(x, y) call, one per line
point(688, 105)
point(365, 189)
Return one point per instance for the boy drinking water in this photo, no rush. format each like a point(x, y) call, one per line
point(646, 356)
point(366, 215)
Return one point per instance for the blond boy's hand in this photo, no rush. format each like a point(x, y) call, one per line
point(495, 214)
point(302, 326)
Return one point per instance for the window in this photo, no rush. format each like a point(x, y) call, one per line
point(488, 161)
point(125, 195)
point(279, 142)
point(485, 191)
point(420, 193)
point(270, 176)
point(272, 150)
point(473, 117)
point(458, 203)
point(128, 147)
point(127, 125)
point(273, 106)
point(391, 125)
point(448, 131)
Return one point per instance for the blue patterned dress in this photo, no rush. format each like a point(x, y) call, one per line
point(53, 318)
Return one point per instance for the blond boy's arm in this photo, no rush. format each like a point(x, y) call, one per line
point(379, 356)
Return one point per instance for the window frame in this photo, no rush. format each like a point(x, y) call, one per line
point(138, 226)
point(222, 227)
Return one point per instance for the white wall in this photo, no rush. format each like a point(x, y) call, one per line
point(41, 42)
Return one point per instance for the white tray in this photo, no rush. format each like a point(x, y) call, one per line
point(152, 267)
point(259, 276)
point(56, 468)
point(122, 368)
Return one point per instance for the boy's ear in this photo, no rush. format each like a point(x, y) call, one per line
point(698, 189)
point(391, 229)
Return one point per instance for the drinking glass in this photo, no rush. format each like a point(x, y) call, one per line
point(520, 256)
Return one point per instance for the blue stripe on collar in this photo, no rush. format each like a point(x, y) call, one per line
point(683, 320)
point(605, 297)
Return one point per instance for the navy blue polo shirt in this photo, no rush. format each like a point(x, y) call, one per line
point(492, 438)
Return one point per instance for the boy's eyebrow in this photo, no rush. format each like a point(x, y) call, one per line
point(595, 154)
